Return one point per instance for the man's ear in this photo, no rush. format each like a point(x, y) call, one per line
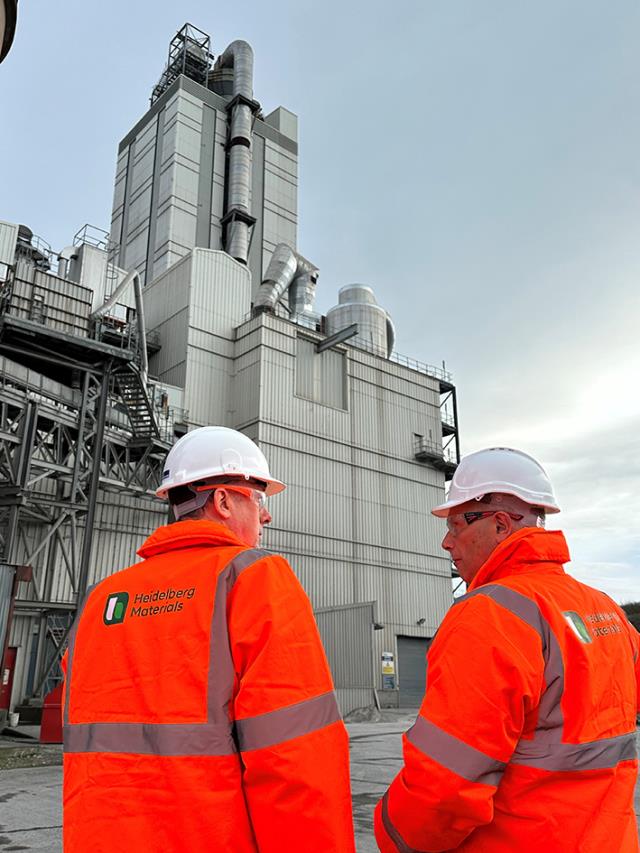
point(221, 504)
point(503, 524)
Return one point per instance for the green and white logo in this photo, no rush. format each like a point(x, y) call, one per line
point(576, 622)
point(116, 608)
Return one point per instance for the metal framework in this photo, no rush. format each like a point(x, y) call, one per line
point(75, 419)
point(444, 455)
point(189, 54)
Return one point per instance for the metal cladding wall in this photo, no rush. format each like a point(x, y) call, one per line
point(8, 240)
point(195, 307)
point(24, 636)
point(354, 520)
point(280, 201)
point(92, 268)
point(170, 182)
point(43, 297)
point(349, 627)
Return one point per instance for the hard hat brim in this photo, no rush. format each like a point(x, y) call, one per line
point(274, 487)
point(443, 510)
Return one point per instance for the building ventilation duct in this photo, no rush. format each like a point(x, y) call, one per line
point(242, 107)
point(287, 271)
point(357, 304)
point(68, 254)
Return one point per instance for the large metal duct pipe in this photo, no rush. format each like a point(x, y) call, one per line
point(239, 56)
point(287, 270)
point(302, 292)
point(64, 259)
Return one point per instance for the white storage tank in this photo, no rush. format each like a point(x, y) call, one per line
point(357, 304)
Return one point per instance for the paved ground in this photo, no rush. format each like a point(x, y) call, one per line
point(30, 818)
point(376, 750)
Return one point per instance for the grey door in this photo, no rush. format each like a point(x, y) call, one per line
point(412, 668)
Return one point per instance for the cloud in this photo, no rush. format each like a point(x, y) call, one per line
point(594, 465)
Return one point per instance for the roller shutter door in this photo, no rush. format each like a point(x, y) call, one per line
point(412, 668)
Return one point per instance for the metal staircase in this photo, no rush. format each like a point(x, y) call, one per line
point(132, 390)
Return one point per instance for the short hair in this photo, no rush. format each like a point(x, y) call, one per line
point(180, 495)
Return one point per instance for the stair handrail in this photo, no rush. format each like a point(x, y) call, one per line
point(135, 371)
point(131, 277)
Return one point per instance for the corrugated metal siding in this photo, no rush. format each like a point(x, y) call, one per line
point(321, 377)
point(166, 307)
point(24, 633)
point(123, 525)
point(221, 292)
point(179, 165)
point(347, 637)
point(52, 301)
point(280, 208)
point(355, 521)
point(210, 371)
point(245, 388)
point(8, 240)
point(411, 670)
point(217, 196)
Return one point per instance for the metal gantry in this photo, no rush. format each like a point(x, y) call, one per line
point(189, 54)
point(75, 420)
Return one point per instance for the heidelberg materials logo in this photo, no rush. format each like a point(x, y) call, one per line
point(576, 622)
point(116, 608)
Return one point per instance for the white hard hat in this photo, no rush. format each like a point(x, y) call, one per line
point(500, 470)
point(215, 451)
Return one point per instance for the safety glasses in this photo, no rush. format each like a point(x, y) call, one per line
point(471, 517)
point(257, 496)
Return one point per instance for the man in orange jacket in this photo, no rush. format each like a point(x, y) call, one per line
point(199, 710)
point(525, 739)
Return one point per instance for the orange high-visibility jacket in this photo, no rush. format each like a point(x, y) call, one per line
point(525, 739)
point(199, 710)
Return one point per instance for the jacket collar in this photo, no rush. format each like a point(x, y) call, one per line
point(186, 534)
point(524, 551)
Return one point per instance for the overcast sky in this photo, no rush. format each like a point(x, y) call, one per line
point(474, 161)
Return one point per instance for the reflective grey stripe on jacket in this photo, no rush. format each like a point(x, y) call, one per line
point(454, 754)
point(216, 736)
point(392, 832)
point(546, 750)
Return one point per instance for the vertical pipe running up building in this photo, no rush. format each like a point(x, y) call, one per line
point(239, 56)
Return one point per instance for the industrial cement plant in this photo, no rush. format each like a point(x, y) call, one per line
point(198, 308)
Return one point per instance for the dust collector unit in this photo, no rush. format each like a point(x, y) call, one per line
point(357, 304)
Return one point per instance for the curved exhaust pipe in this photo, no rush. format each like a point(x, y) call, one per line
point(287, 270)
